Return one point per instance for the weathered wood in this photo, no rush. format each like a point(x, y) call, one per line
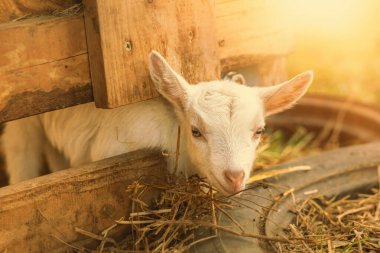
point(45, 87)
point(14, 9)
point(34, 213)
point(120, 41)
point(250, 31)
point(245, 37)
point(40, 40)
point(244, 34)
point(43, 67)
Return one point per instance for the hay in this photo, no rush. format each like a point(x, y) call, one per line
point(73, 10)
point(273, 173)
point(172, 222)
point(347, 224)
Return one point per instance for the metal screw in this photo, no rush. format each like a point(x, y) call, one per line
point(128, 46)
point(191, 35)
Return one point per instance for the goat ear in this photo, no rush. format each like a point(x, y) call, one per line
point(283, 96)
point(168, 83)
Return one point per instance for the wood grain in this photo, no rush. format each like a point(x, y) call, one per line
point(45, 87)
point(247, 34)
point(120, 36)
point(250, 32)
point(14, 9)
point(40, 40)
point(44, 66)
point(34, 213)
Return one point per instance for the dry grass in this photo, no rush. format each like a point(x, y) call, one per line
point(347, 224)
point(70, 11)
point(172, 222)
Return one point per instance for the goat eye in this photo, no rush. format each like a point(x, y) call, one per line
point(195, 132)
point(259, 132)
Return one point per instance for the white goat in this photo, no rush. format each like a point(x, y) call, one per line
point(221, 123)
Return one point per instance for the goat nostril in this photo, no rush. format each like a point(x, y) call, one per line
point(227, 175)
point(234, 177)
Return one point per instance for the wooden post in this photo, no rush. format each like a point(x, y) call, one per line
point(120, 35)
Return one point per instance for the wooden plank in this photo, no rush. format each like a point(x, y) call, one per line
point(250, 32)
point(34, 213)
point(120, 41)
point(44, 66)
point(245, 37)
point(40, 40)
point(255, 35)
point(15, 9)
point(45, 87)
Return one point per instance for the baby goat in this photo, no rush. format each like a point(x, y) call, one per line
point(220, 121)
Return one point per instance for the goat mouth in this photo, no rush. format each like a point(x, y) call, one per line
point(220, 187)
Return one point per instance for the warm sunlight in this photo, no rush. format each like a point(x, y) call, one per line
point(326, 16)
point(339, 40)
point(190, 126)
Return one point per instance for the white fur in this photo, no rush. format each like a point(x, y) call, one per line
point(228, 115)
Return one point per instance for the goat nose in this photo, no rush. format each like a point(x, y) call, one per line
point(235, 178)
